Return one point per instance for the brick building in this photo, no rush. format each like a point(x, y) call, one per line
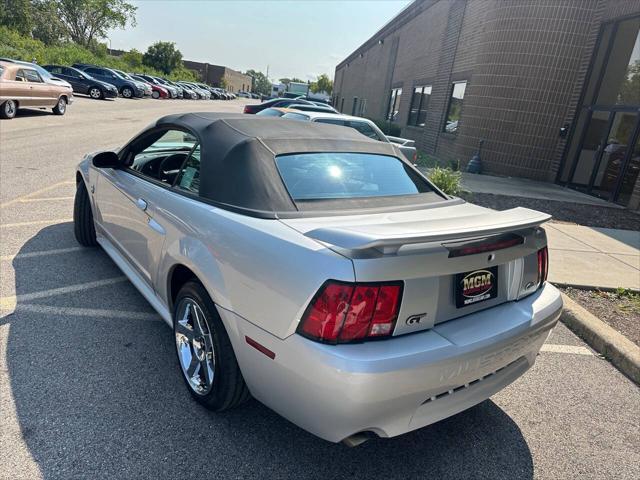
point(234, 81)
point(551, 86)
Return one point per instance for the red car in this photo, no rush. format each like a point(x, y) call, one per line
point(156, 90)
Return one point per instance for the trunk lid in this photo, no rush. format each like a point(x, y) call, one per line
point(432, 251)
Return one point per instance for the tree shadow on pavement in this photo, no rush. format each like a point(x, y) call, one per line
point(102, 397)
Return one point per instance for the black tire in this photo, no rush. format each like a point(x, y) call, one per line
point(96, 93)
point(61, 106)
point(127, 92)
point(8, 109)
point(155, 94)
point(228, 389)
point(83, 226)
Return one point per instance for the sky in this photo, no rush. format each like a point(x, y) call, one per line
point(294, 38)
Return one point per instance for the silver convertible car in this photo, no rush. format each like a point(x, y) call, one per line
point(318, 271)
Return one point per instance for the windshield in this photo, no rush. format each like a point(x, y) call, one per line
point(322, 176)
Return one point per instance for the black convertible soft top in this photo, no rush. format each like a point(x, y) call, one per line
point(238, 168)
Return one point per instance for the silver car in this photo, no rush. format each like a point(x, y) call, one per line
point(318, 271)
point(363, 125)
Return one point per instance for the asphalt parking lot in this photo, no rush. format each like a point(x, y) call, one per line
point(90, 386)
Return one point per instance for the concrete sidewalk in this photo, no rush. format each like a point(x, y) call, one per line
point(523, 187)
point(593, 257)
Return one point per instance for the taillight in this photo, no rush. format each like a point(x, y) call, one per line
point(246, 109)
point(348, 312)
point(543, 265)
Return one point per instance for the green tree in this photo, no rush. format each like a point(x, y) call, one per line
point(287, 81)
point(630, 89)
point(17, 15)
point(322, 84)
point(163, 56)
point(134, 58)
point(87, 21)
point(47, 26)
point(261, 84)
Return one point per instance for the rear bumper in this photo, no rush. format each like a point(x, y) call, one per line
point(397, 385)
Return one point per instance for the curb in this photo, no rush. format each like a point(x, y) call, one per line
point(593, 287)
point(614, 346)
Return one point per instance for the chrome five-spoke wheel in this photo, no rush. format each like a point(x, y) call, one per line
point(194, 343)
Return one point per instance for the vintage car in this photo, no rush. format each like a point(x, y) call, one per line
point(22, 86)
point(318, 271)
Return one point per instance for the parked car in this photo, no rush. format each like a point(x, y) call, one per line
point(82, 82)
point(126, 88)
point(273, 112)
point(362, 125)
point(187, 91)
point(244, 94)
point(44, 74)
point(173, 91)
point(156, 90)
point(313, 108)
point(182, 93)
point(208, 88)
point(142, 84)
point(275, 102)
point(202, 88)
point(319, 271)
point(22, 86)
point(202, 93)
point(223, 94)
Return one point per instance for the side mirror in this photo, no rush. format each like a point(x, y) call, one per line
point(106, 160)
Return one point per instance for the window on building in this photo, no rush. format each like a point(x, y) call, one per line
point(363, 108)
point(455, 106)
point(419, 104)
point(354, 107)
point(342, 105)
point(394, 104)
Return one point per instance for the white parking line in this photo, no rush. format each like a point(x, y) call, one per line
point(46, 199)
point(57, 251)
point(36, 222)
point(576, 350)
point(10, 302)
point(37, 192)
point(87, 312)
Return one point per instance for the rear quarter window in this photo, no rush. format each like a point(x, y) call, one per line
point(328, 176)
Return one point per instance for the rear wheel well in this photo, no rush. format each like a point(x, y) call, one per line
point(179, 276)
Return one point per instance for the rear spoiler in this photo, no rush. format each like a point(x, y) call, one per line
point(381, 235)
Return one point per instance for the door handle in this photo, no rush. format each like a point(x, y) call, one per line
point(141, 204)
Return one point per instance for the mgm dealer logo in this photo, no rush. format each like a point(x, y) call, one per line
point(476, 286)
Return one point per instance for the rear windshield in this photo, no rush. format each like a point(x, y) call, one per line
point(328, 176)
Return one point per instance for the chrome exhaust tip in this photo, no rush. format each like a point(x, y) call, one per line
point(357, 439)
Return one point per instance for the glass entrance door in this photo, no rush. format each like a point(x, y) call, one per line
point(602, 158)
point(601, 161)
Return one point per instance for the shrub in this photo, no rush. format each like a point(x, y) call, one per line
point(16, 46)
point(446, 180)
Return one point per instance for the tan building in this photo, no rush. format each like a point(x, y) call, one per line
point(234, 81)
point(552, 87)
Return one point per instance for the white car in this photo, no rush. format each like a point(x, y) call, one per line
point(363, 125)
point(318, 271)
